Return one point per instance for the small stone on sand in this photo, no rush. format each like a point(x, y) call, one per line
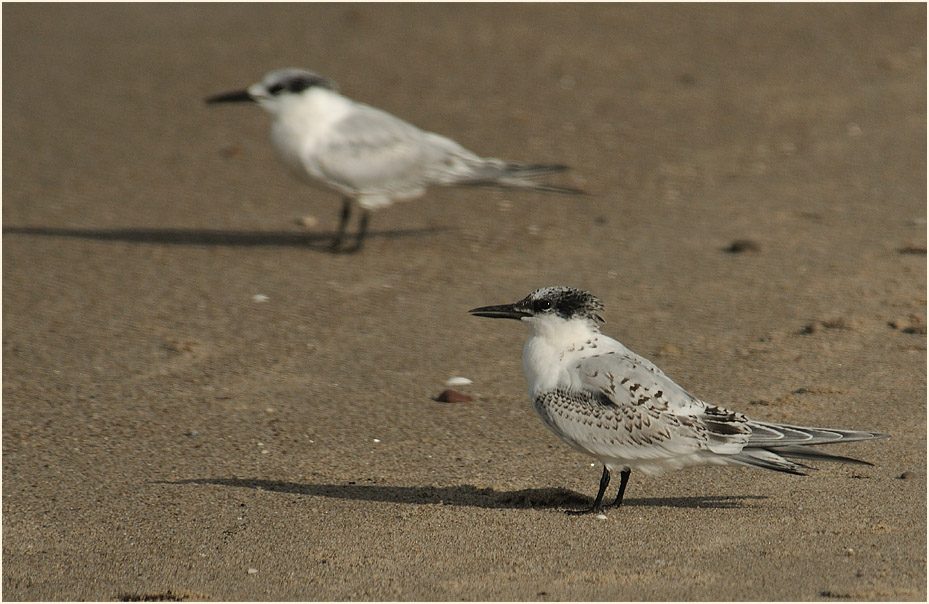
point(451, 396)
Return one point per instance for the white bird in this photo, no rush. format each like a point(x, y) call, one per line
point(612, 404)
point(366, 154)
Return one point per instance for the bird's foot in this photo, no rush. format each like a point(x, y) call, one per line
point(596, 509)
point(337, 247)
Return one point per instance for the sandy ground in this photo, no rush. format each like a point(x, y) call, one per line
point(167, 435)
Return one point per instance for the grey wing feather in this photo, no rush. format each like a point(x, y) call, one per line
point(374, 151)
point(629, 379)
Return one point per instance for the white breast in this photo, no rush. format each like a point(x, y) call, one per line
point(302, 124)
point(551, 353)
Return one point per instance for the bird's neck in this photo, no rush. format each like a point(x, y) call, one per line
point(302, 123)
point(553, 349)
point(312, 113)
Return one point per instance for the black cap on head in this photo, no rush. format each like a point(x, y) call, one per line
point(565, 302)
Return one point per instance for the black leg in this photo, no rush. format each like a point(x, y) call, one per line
point(362, 229)
point(343, 222)
point(623, 479)
point(596, 507)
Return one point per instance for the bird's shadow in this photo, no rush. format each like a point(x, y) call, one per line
point(321, 242)
point(463, 495)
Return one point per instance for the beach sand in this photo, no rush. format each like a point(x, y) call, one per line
point(201, 402)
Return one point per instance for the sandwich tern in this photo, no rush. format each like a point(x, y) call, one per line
point(366, 154)
point(612, 404)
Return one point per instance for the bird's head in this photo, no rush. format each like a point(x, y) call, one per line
point(550, 308)
point(275, 87)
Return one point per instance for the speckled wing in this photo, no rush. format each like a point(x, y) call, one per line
point(628, 379)
point(628, 411)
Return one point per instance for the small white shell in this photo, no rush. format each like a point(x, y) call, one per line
point(458, 381)
point(309, 221)
point(260, 298)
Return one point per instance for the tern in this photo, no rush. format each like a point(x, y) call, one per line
point(618, 407)
point(368, 155)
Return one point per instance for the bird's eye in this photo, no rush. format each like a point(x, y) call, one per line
point(544, 305)
point(299, 85)
point(275, 89)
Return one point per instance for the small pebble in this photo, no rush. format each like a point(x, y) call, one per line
point(913, 324)
point(840, 323)
point(308, 221)
point(451, 396)
point(837, 323)
point(458, 381)
point(252, 571)
point(231, 151)
point(908, 475)
point(743, 245)
point(810, 328)
point(182, 345)
point(601, 516)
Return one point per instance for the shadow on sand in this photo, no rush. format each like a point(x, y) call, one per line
point(464, 495)
point(315, 241)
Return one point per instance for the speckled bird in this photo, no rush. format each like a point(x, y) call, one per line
point(618, 407)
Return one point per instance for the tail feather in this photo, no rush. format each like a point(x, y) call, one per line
point(769, 445)
point(765, 434)
point(809, 453)
point(532, 170)
point(515, 175)
point(534, 186)
point(761, 458)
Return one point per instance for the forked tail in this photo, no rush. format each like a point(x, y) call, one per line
point(770, 443)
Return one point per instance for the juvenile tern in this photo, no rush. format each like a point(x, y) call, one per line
point(366, 154)
point(612, 404)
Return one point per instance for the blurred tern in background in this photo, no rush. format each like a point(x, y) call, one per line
point(608, 402)
point(366, 154)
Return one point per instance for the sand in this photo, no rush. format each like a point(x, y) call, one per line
point(169, 435)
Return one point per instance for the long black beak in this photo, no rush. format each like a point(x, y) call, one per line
point(238, 96)
point(504, 311)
